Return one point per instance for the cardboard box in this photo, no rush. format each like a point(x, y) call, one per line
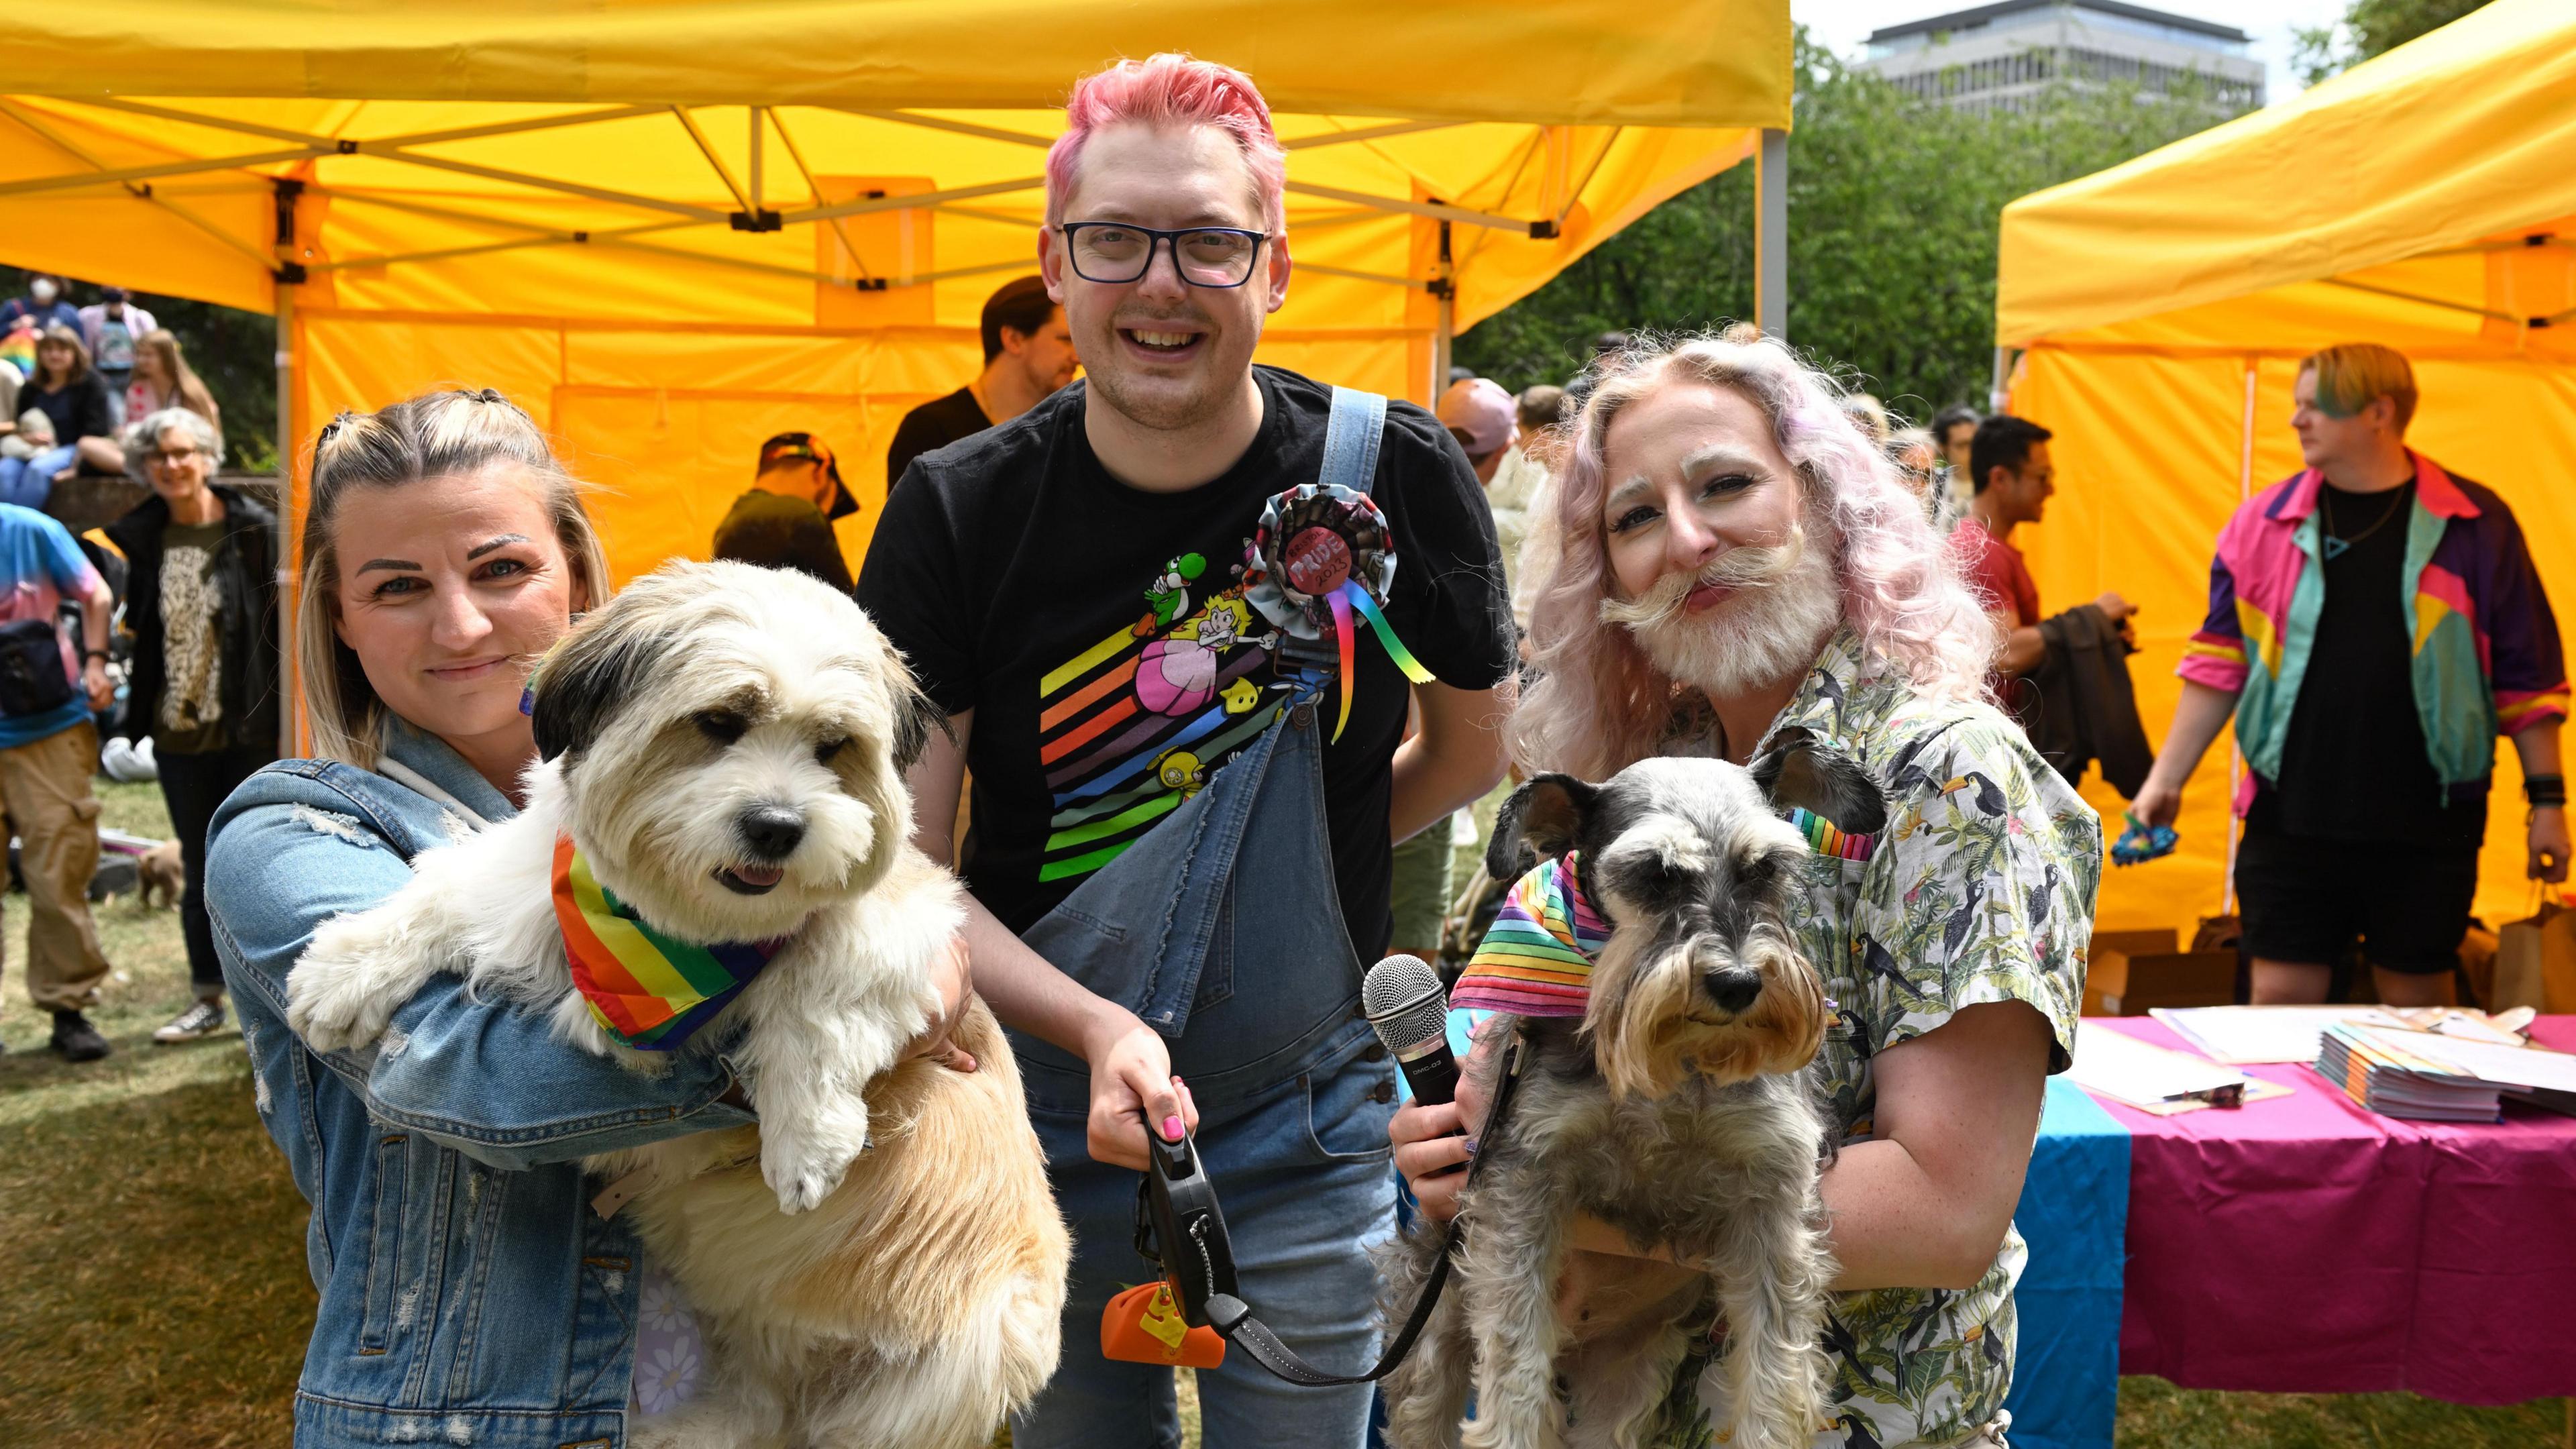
point(2132, 971)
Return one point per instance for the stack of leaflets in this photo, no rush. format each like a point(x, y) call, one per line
point(2384, 1072)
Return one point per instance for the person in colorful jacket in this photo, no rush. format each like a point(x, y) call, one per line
point(2374, 623)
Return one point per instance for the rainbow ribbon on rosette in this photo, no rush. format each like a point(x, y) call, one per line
point(1321, 561)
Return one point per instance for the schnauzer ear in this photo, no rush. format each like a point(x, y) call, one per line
point(1798, 771)
point(1542, 817)
point(588, 676)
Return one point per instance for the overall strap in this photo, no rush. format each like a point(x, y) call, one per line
point(1351, 439)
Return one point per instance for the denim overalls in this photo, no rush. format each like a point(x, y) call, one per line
point(1223, 931)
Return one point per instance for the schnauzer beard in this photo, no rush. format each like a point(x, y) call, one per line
point(1650, 1023)
point(1786, 602)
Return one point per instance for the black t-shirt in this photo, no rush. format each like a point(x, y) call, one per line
point(2353, 765)
point(935, 424)
point(779, 532)
point(79, 411)
point(1100, 634)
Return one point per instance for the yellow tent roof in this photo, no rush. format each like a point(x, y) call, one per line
point(459, 130)
point(2462, 142)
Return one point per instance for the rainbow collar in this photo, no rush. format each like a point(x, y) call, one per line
point(648, 989)
point(1824, 839)
point(1536, 959)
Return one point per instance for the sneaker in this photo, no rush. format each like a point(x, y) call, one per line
point(201, 1020)
point(76, 1039)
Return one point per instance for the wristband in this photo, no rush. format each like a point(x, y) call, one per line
point(100, 655)
point(2544, 791)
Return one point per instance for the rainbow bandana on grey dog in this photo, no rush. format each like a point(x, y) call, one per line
point(1537, 958)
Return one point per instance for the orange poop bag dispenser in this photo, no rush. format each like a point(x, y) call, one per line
point(1144, 1325)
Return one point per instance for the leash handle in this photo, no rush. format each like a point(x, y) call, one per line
point(1232, 1318)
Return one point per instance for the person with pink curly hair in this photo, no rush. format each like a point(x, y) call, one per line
point(1735, 560)
point(1190, 771)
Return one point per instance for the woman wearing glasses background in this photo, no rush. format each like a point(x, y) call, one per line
point(201, 598)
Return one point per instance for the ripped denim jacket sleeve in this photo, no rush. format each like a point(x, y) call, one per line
point(288, 852)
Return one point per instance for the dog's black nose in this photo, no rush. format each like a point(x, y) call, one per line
point(771, 831)
point(1732, 990)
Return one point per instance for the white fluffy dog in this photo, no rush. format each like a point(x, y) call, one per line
point(725, 747)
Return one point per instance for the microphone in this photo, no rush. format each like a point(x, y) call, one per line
point(1407, 1007)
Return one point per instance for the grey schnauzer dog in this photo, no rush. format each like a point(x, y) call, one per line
point(1678, 1108)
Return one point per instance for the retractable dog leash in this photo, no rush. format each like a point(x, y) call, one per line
point(1181, 1230)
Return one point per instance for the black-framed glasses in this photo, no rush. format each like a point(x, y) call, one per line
point(1205, 256)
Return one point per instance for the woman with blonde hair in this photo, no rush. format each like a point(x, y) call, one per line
point(464, 1280)
point(163, 379)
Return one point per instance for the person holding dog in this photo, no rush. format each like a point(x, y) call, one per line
point(2401, 627)
point(201, 598)
point(465, 1279)
point(1186, 793)
point(1739, 564)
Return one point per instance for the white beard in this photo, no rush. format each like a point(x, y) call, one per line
point(1755, 639)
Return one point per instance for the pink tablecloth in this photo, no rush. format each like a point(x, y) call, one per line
point(2304, 1244)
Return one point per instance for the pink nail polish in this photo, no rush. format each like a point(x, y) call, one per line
point(1171, 1129)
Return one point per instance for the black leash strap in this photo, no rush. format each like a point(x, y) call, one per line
point(1232, 1318)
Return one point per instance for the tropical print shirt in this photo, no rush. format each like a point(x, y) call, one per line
point(2486, 646)
point(1981, 888)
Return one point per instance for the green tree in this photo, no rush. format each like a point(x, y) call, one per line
point(2369, 28)
point(1894, 211)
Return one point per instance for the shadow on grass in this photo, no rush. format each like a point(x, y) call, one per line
point(156, 1293)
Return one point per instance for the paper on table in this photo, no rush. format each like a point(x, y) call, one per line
point(2502, 1066)
point(2140, 1074)
point(2252, 1035)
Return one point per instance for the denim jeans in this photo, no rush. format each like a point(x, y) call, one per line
point(1221, 929)
point(27, 482)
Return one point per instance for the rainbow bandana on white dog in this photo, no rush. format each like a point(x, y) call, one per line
point(648, 989)
point(1536, 960)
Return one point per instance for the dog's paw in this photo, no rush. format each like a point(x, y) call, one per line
point(804, 1168)
point(335, 997)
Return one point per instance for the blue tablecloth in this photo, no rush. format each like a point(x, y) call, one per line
point(2074, 1214)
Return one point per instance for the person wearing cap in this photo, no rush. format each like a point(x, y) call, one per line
point(1028, 354)
point(785, 520)
point(1485, 421)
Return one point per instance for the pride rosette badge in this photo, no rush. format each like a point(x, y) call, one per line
point(1320, 556)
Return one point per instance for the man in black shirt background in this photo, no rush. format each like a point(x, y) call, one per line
point(785, 520)
point(1075, 591)
point(1028, 354)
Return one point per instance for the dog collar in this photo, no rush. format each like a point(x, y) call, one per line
point(648, 989)
point(1824, 839)
point(1537, 958)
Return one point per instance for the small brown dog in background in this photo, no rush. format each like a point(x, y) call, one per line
point(163, 874)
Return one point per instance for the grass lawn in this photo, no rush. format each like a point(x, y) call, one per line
point(155, 1291)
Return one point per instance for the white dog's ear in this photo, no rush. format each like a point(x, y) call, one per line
point(914, 718)
point(1798, 770)
point(1541, 819)
point(598, 666)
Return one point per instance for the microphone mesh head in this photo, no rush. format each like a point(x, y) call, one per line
point(1403, 1000)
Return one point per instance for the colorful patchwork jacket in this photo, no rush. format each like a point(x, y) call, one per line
point(2487, 658)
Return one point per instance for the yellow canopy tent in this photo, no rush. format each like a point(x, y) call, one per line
point(673, 227)
point(2426, 200)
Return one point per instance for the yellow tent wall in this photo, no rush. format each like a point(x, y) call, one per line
point(2424, 200)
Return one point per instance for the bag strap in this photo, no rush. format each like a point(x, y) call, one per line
point(1232, 1318)
point(1351, 439)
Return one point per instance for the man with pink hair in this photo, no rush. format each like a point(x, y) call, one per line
point(1175, 614)
point(1734, 559)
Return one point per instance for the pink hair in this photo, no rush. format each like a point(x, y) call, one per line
point(1171, 89)
point(1599, 704)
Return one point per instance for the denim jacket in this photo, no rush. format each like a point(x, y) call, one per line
point(468, 1294)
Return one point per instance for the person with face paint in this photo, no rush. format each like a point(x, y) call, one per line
point(2375, 621)
point(1183, 822)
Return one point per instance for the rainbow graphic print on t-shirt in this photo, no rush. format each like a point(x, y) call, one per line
point(1136, 724)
